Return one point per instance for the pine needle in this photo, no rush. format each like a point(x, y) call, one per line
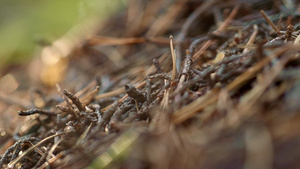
point(173, 59)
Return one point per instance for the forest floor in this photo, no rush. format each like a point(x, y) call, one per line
point(164, 84)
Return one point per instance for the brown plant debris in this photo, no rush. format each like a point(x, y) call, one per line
point(222, 92)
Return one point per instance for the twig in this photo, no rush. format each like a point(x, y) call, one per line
point(240, 80)
point(13, 163)
point(74, 99)
point(268, 77)
point(8, 151)
point(108, 114)
point(53, 148)
point(121, 110)
point(41, 159)
point(186, 69)
point(98, 112)
point(51, 160)
point(71, 110)
point(135, 93)
point(124, 97)
point(188, 63)
point(36, 111)
point(157, 65)
point(160, 76)
point(202, 102)
point(64, 109)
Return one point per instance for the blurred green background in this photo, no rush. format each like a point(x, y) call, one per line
point(26, 23)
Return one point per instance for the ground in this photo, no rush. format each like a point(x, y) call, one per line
point(163, 84)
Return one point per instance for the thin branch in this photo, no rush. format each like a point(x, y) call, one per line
point(36, 111)
point(74, 99)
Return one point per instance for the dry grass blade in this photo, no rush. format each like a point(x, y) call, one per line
point(249, 73)
point(221, 28)
point(86, 99)
point(231, 101)
point(202, 102)
point(197, 105)
point(51, 161)
point(87, 88)
point(269, 21)
point(164, 21)
point(82, 94)
point(15, 161)
point(249, 100)
point(173, 59)
point(83, 136)
point(165, 101)
point(110, 94)
point(297, 40)
point(50, 153)
point(100, 40)
point(251, 39)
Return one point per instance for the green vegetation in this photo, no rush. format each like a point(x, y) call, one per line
point(25, 23)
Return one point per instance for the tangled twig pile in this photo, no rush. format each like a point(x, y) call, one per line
point(230, 101)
